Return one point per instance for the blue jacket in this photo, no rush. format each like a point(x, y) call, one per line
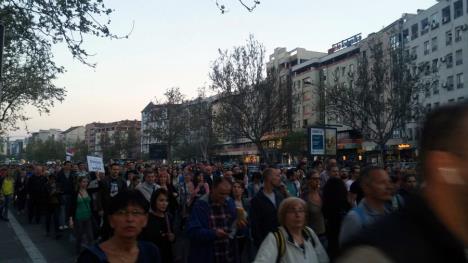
point(199, 232)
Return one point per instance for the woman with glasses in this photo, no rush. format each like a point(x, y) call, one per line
point(293, 241)
point(128, 215)
point(315, 219)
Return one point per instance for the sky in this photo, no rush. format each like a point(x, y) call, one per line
point(174, 42)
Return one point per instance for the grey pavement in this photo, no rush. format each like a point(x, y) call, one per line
point(22, 242)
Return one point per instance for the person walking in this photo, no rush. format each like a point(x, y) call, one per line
point(7, 189)
point(53, 206)
point(80, 215)
point(211, 224)
point(433, 225)
point(159, 229)
point(128, 215)
point(293, 241)
point(264, 206)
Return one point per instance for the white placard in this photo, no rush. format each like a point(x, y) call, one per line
point(95, 164)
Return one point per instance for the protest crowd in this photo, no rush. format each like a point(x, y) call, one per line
point(318, 211)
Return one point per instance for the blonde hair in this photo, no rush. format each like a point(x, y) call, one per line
point(285, 205)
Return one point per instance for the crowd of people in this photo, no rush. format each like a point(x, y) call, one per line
point(317, 212)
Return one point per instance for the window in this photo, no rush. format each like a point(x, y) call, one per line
point(395, 41)
point(428, 107)
point(458, 33)
point(448, 38)
point(424, 26)
point(410, 134)
point(457, 9)
point(426, 48)
point(427, 90)
point(449, 60)
point(405, 36)
point(436, 104)
point(461, 98)
point(414, 31)
point(414, 52)
point(435, 87)
point(343, 71)
point(434, 44)
point(459, 57)
point(460, 81)
point(435, 68)
point(304, 122)
point(451, 101)
point(446, 15)
point(434, 20)
point(449, 84)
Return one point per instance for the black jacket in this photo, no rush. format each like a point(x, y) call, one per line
point(414, 234)
point(74, 203)
point(263, 216)
point(37, 186)
point(66, 185)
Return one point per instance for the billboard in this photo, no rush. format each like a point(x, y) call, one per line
point(322, 141)
point(316, 141)
point(330, 141)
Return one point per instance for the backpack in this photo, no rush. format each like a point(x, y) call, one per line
point(281, 241)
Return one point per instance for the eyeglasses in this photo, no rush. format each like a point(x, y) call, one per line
point(135, 213)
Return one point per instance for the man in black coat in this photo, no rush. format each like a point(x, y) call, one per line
point(432, 227)
point(264, 206)
point(66, 184)
point(36, 188)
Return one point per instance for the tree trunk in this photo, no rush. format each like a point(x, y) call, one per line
point(261, 152)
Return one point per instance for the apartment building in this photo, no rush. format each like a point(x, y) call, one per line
point(437, 41)
point(95, 131)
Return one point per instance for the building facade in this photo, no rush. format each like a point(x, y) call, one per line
point(437, 41)
point(74, 135)
point(96, 132)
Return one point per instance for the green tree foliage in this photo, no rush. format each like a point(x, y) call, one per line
point(43, 151)
point(81, 151)
point(295, 143)
point(32, 28)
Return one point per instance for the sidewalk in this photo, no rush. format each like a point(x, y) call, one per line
point(23, 242)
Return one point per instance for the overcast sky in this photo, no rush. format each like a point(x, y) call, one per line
point(174, 42)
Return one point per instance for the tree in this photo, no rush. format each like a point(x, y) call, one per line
point(251, 102)
point(107, 147)
point(380, 98)
point(32, 28)
point(131, 144)
point(249, 6)
point(170, 120)
point(201, 131)
point(43, 151)
point(81, 151)
point(295, 143)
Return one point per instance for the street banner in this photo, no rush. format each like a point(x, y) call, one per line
point(330, 141)
point(317, 141)
point(95, 164)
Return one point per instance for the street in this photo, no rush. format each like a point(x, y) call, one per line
point(22, 242)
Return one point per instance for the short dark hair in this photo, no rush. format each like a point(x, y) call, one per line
point(155, 195)
point(366, 173)
point(442, 129)
point(125, 198)
point(66, 162)
point(290, 172)
point(217, 180)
